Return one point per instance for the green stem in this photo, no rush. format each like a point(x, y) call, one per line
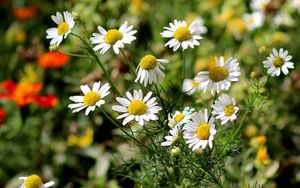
point(182, 69)
point(72, 54)
point(215, 98)
point(94, 55)
point(132, 69)
point(122, 129)
point(235, 132)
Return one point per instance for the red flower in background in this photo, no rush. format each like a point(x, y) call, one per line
point(53, 60)
point(2, 116)
point(25, 93)
point(23, 13)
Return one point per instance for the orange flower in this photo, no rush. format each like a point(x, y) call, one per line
point(23, 13)
point(53, 60)
point(2, 116)
point(25, 93)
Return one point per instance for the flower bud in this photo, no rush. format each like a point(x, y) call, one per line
point(175, 151)
point(53, 47)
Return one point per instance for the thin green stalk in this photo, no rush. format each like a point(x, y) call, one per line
point(132, 69)
point(122, 129)
point(182, 69)
point(215, 98)
point(235, 132)
point(92, 52)
point(72, 54)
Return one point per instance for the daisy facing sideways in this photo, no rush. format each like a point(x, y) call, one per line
point(173, 137)
point(115, 38)
point(278, 61)
point(34, 181)
point(136, 107)
point(149, 70)
point(180, 117)
point(220, 76)
point(91, 98)
point(190, 86)
point(181, 34)
point(65, 23)
point(225, 108)
point(199, 131)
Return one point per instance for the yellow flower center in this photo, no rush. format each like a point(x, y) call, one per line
point(179, 117)
point(33, 181)
point(278, 62)
point(137, 107)
point(112, 36)
point(148, 62)
point(229, 109)
point(182, 33)
point(91, 98)
point(218, 73)
point(203, 131)
point(62, 28)
point(195, 83)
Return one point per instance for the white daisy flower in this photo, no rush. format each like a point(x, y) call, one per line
point(182, 35)
point(137, 108)
point(64, 26)
point(220, 76)
point(254, 20)
point(149, 70)
point(259, 5)
point(225, 108)
point(278, 61)
point(113, 37)
point(199, 131)
point(180, 117)
point(34, 181)
point(190, 86)
point(91, 98)
point(173, 137)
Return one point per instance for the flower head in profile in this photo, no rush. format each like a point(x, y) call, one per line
point(173, 137)
point(190, 86)
point(115, 38)
point(182, 35)
point(262, 155)
point(53, 60)
point(149, 70)
point(91, 99)
point(180, 117)
point(225, 108)
point(220, 76)
point(34, 181)
point(199, 131)
point(254, 20)
point(138, 108)
point(65, 23)
point(278, 61)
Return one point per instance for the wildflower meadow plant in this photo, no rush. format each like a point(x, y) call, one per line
point(190, 146)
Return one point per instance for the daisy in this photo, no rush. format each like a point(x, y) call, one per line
point(254, 20)
point(173, 137)
point(295, 4)
point(199, 132)
point(220, 76)
point(225, 108)
point(64, 25)
point(180, 118)
point(34, 181)
point(182, 35)
point(278, 61)
point(113, 37)
point(190, 86)
point(149, 70)
point(137, 108)
point(91, 98)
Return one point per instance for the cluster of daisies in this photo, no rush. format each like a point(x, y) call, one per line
point(198, 127)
